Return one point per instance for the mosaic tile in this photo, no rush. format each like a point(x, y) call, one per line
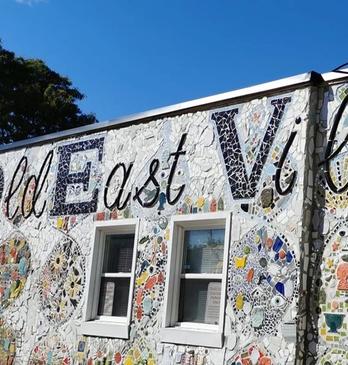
point(78, 181)
point(15, 260)
point(225, 160)
point(8, 344)
point(244, 185)
point(253, 354)
point(62, 282)
point(262, 280)
point(50, 351)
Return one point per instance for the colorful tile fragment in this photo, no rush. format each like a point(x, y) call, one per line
point(14, 266)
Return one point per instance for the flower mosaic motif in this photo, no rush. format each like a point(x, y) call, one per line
point(14, 266)
point(63, 282)
point(262, 280)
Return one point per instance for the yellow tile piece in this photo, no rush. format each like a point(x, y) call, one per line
point(151, 360)
point(136, 354)
point(167, 234)
point(128, 361)
point(200, 202)
point(240, 262)
point(60, 222)
point(329, 263)
point(239, 301)
point(142, 278)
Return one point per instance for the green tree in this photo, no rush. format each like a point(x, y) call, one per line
point(35, 100)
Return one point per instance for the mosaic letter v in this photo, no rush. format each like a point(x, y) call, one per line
point(242, 185)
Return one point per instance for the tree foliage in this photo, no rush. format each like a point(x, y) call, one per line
point(35, 100)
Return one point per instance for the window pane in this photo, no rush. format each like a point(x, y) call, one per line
point(113, 297)
point(118, 253)
point(203, 251)
point(200, 301)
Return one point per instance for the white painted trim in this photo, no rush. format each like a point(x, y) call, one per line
point(224, 272)
point(182, 336)
point(116, 275)
point(114, 319)
point(288, 331)
point(199, 334)
point(192, 221)
point(198, 326)
point(201, 276)
point(132, 279)
point(118, 226)
point(117, 327)
point(104, 329)
point(335, 76)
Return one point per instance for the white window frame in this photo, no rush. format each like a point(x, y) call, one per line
point(108, 326)
point(189, 333)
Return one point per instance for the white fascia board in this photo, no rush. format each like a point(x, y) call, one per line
point(336, 76)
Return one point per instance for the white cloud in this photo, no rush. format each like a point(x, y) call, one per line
point(30, 2)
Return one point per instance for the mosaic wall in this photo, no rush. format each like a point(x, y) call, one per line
point(248, 158)
point(330, 231)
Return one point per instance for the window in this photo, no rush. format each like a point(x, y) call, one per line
point(111, 279)
point(196, 280)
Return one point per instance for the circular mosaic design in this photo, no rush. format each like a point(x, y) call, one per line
point(63, 281)
point(14, 266)
point(7, 344)
point(50, 351)
point(336, 356)
point(262, 280)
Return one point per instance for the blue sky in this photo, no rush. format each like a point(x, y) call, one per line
point(128, 56)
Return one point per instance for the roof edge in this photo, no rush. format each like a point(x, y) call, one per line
point(309, 78)
point(337, 75)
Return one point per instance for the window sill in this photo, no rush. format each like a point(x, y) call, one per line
point(194, 337)
point(104, 329)
point(288, 330)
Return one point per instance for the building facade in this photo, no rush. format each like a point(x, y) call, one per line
point(210, 232)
